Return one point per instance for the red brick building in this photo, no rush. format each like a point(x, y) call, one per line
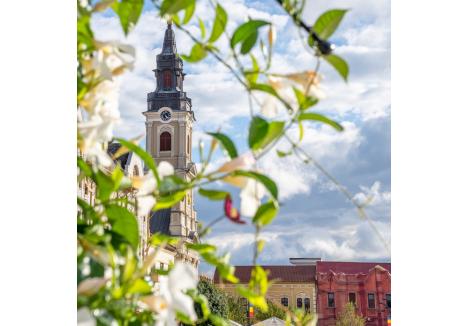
point(366, 284)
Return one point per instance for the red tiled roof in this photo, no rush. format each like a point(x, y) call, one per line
point(349, 267)
point(280, 273)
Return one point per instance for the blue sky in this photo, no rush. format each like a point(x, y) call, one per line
point(315, 219)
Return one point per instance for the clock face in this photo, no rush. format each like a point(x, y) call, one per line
point(165, 115)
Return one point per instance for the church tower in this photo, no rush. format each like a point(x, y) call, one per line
point(169, 121)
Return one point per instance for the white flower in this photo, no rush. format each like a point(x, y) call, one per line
point(101, 105)
point(101, 101)
point(85, 318)
point(110, 59)
point(145, 204)
point(91, 286)
point(244, 161)
point(251, 196)
point(269, 107)
point(272, 35)
point(146, 186)
point(172, 297)
point(165, 169)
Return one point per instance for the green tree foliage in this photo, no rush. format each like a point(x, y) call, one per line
point(273, 311)
point(217, 299)
point(349, 317)
point(237, 310)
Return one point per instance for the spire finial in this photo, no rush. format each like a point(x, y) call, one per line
point(169, 46)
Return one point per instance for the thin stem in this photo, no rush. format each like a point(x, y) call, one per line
point(215, 221)
point(227, 65)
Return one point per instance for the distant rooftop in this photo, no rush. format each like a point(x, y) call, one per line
point(281, 273)
point(350, 267)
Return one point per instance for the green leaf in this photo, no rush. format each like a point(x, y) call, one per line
point(146, 157)
point(249, 42)
point(270, 90)
point(158, 238)
point(171, 7)
point(201, 247)
point(105, 185)
point(304, 101)
point(87, 210)
point(189, 11)
point(265, 213)
point(169, 200)
point(84, 167)
point(321, 118)
point(257, 131)
point(140, 286)
point(219, 24)
point(197, 53)
point(130, 266)
point(213, 194)
point(225, 270)
point(244, 32)
point(218, 321)
point(283, 154)
point(328, 22)
point(269, 184)
point(255, 299)
point(264, 88)
point(260, 245)
point(301, 130)
point(339, 64)
point(259, 279)
point(124, 223)
point(275, 129)
point(252, 75)
point(183, 318)
point(129, 12)
point(262, 133)
point(226, 142)
point(202, 28)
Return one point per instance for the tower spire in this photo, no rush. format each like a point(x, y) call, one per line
point(169, 44)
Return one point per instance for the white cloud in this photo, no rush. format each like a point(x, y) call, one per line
point(323, 143)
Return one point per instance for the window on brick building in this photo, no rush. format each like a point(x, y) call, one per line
point(243, 302)
point(299, 303)
point(388, 300)
point(331, 300)
point(307, 304)
point(285, 301)
point(136, 172)
point(371, 300)
point(165, 141)
point(352, 297)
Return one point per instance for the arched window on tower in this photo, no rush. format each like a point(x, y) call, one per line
point(165, 141)
point(136, 172)
point(167, 79)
